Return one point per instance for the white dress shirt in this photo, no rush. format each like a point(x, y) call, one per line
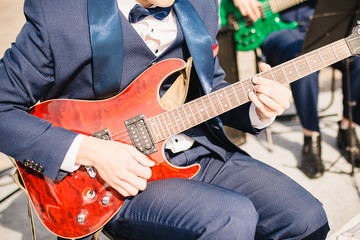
point(158, 35)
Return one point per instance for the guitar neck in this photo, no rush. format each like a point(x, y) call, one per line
point(218, 102)
point(280, 5)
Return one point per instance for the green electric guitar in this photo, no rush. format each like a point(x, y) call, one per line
point(248, 34)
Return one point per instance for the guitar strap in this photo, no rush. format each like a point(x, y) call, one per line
point(20, 184)
point(176, 94)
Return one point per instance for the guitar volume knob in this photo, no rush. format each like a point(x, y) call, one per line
point(105, 200)
point(81, 218)
point(90, 194)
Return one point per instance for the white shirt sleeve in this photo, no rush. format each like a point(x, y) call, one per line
point(255, 121)
point(68, 164)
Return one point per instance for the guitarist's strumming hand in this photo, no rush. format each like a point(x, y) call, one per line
point(122, 166)
point(249, 8)
point(271, 98)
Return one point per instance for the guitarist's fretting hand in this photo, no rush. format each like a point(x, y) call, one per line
point(122, 166)
point(271, 98)
point(249, 8)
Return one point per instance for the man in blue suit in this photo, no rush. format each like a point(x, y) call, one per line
point(285, 45)
point(89, 50)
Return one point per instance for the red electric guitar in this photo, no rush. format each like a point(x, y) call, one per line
point(81, 203)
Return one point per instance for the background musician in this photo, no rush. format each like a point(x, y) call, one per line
point(281, 46)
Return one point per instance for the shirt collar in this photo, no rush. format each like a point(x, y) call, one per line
point(126, 5)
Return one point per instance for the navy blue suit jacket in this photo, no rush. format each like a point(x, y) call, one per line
point(52, 58)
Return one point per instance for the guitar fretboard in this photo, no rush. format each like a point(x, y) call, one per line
point(204, 108)
point(280, 5)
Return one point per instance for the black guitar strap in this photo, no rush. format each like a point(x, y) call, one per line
point(20, 183)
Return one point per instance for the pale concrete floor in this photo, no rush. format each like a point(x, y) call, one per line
point(337, 190)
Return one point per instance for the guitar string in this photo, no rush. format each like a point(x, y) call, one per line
point(123, 135)
point(265, 9)
point(206, 100)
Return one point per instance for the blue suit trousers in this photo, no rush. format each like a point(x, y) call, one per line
point(241, 198)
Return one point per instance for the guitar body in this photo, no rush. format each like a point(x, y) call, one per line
point(250, 35)
point(80, 203)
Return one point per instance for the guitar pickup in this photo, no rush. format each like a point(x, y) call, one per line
point(248, 21)
point(140, 135)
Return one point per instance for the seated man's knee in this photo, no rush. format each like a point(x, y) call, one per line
point(305, 221)
point(236, 218)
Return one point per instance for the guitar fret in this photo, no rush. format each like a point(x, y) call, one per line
point(176, 121)
point(151, 128)
point(301, 66)
point(328, 55)
point(282, 69)
point(331, 45)
point(189, 114)
point(278, 75)
point(290, 71)
point(292, 61)
point(267, 75)
point(198, 110)
point(320, 57)
point(159, 135)
point(272, 75)
point(232, 86)
point(228, 96)
point(193, 114)
point(315, 61)
point(204, 107)
point(219, 102)
point(216, 102)
point(180, 115)
point(212, 105)
point(248, 88)
point(239, 90)
point(353, 43)
point(342, 52)
point(225, 106)
point(229, 93)
point(307, 62)
point(247, 98)
point(165, 125)
point(170, 123)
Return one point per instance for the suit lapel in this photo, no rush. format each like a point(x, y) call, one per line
point(198, 41)
point(200, 46)
point(106, 45)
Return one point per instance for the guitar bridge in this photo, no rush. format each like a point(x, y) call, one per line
point(103, 134)
point(140, 135)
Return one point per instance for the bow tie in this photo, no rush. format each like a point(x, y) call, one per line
point(139, 12)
